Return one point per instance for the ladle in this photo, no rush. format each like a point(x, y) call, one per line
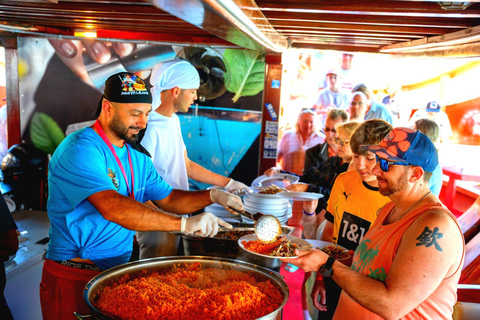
point(267, 226)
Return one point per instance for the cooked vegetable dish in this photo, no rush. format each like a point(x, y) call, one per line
point(336, 252)
point(233, 235)
point(190, 292)
point(282, 247)
point(273, 189)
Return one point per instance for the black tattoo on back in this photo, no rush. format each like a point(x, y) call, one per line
point(429, 238)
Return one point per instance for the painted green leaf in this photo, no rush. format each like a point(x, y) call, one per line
point(247, 69)
point(45, 133)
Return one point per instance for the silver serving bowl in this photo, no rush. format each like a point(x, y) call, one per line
point(165, 264)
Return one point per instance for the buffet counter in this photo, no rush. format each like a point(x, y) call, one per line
point(24, 270)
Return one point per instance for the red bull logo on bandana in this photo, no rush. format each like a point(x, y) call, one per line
point(131, 84)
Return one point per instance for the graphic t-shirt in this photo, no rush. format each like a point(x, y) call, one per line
point(352, 208)
point(81, 166)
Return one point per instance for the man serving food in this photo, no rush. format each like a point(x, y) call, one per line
point(101, 190)
point(409, 262)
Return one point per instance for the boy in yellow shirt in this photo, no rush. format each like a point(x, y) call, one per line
point(352, 207)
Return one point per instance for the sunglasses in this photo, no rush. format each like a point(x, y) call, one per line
point(385, 164)
point(341, 142)
point(326, 129)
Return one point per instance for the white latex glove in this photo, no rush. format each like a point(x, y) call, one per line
point(205, 224)
point(226, 200)
point(237, 187)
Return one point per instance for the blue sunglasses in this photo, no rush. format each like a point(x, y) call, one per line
point(384, 163)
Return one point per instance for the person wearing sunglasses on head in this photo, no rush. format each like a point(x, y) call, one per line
point(409, 262)
point(322, 151)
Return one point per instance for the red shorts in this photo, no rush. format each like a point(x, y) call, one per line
point(61, 290)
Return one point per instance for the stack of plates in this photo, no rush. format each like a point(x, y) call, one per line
point(223, 214)
point(267, 204)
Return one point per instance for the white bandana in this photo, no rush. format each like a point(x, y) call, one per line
point(170, 74)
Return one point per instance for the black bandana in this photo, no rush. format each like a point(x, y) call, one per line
point(125, 87)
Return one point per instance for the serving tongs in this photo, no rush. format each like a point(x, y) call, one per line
point(267, 226)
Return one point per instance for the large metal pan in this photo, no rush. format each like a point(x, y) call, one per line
point(110, 276)
point(226, 248)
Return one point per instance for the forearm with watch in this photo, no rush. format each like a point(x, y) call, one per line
point(368, 292)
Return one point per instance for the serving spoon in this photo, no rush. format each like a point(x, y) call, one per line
point(267, 226)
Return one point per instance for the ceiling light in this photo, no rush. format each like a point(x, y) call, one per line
point(85, 33)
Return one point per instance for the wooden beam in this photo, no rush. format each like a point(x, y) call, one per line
point(388, 21)
point(285, 24)
point(338, 47)
point(354, 7)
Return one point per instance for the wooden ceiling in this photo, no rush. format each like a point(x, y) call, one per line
point(347, 25)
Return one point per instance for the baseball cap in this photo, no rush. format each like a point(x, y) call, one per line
point(433, 106)
point(334, 71)
point(407, 144)
point(125, 87)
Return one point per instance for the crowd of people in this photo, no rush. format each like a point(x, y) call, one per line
point(380, 185)
point(380, 179)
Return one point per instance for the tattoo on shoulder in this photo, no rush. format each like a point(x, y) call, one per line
point(429, 238)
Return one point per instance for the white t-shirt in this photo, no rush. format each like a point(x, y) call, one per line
point(163, 139)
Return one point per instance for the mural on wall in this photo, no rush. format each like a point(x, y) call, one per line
point(61, 82)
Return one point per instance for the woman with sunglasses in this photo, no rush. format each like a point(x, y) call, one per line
point(322, 151)
point(320, 179)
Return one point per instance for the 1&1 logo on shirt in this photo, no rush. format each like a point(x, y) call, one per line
point(352, 230)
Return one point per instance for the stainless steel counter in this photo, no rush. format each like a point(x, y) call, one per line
point(33, 226)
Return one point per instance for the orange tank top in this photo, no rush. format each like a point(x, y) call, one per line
point(374, 257)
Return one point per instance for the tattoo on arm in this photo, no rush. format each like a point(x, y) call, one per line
point(429, 238)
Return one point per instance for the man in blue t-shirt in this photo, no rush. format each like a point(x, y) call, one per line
point(101, 191)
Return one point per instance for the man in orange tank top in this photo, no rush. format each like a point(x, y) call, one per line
point(409, 262)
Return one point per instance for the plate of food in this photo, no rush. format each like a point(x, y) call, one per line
point(332, 249)
point(281, 180)
point(283, 248)
point(300, 196)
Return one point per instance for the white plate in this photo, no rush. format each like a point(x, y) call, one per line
point(253, 237)
point(264, 196)
point(300, 196)
point(281, 180)
point(319, 244)
point(260, 206)
point(281, 212)
point(277, 201)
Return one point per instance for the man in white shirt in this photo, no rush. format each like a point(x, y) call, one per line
point(332, 96)
point(174, 88)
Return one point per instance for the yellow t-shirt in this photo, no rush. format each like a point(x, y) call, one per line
point(353, 205)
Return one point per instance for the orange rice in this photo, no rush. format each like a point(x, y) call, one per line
point(262, 248)
point(190, 292)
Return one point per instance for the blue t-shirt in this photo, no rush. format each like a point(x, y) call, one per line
point(379, 111)
point(81, 166)
point(436, 180)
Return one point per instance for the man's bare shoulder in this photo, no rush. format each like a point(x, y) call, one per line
point(437, 228)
